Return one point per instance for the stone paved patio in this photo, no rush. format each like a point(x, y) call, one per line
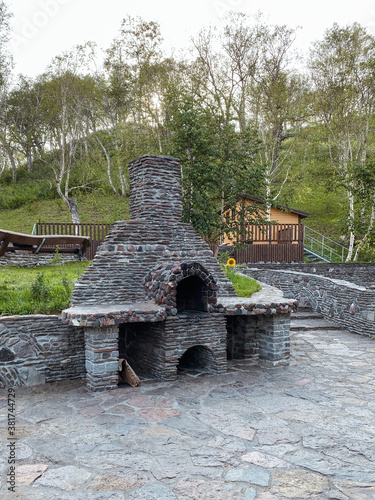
point(306, 431)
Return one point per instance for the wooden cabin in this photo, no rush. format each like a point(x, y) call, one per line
point(281, 240)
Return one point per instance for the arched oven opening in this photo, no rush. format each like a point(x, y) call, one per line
point(197, 359)
point(192, 295)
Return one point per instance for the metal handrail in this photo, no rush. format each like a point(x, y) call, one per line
point(323, 246)
point(324, 251)
point(316, 255)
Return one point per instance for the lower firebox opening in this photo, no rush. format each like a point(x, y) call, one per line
point(132, 343)
point(197, 359)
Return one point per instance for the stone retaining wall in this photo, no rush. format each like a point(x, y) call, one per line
point(345, 303)
point(362, 274)
point(36, 349)
point(34, 260)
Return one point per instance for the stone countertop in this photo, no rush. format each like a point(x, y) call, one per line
point(269, 300)
point(100, 315)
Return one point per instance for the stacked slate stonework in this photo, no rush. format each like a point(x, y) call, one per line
point(153, 237)
point(156, 296)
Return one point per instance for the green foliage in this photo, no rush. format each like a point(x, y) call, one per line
point(367, 252)
point(218, 161)
point(236, 115)
point(244, 285)
point(223, 258)
point(230, 273)
point(341, 67)
point(100, 207)
point(5, 60)
point(18, 194)
point(40, 290)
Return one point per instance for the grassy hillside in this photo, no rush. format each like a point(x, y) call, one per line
point(32, 199)
point(93, 207)
point(325, 208)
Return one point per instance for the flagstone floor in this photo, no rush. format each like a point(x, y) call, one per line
point(306, 431)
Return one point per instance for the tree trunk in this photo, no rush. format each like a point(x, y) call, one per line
point(2, 167)
point(29, 160)
point(72, 205)
point(368, 232)
point(13, 164)
point(350, 225)
point(268, 199)
point(123, 183)
point(108, 165)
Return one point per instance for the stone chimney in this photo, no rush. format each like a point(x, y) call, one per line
point(155, 189)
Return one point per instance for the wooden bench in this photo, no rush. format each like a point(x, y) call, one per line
point(13, 242)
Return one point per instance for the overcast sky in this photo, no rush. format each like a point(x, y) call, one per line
point(43, 29)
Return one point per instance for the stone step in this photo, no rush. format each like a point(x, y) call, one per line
point(305, 320)
point(307, 313)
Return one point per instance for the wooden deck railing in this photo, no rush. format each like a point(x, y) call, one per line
point(269, 243)
point(274, 233)
point(96, 232)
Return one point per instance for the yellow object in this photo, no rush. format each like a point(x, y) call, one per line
point(231, 262)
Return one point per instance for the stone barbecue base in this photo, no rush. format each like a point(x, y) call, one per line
point(156, 349)
point(39, 349)
point(199, 341)
point(156, 296)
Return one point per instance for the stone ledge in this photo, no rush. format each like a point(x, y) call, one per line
point(347, 304)
point(112, 314)
point(269, 300)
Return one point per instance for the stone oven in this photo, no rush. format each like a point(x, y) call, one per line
point(156, 295)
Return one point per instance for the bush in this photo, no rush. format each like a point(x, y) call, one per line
point(17, 195)
point(39, 288)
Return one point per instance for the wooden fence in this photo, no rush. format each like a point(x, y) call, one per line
point(275, 233)
point(96, 232)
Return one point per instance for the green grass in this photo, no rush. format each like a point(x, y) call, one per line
point(94, 207)
point(244, 286)
point(41, 290)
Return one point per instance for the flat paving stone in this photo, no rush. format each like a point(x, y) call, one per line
point(250, 475)
point(301, 432)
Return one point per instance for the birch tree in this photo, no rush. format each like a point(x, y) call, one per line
point(5, 59)
point(6, 146)
point(342, 68)
point(244, 69)
point(65, 107)
point(278, 105)
point(24, 120)
point(131, 94)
